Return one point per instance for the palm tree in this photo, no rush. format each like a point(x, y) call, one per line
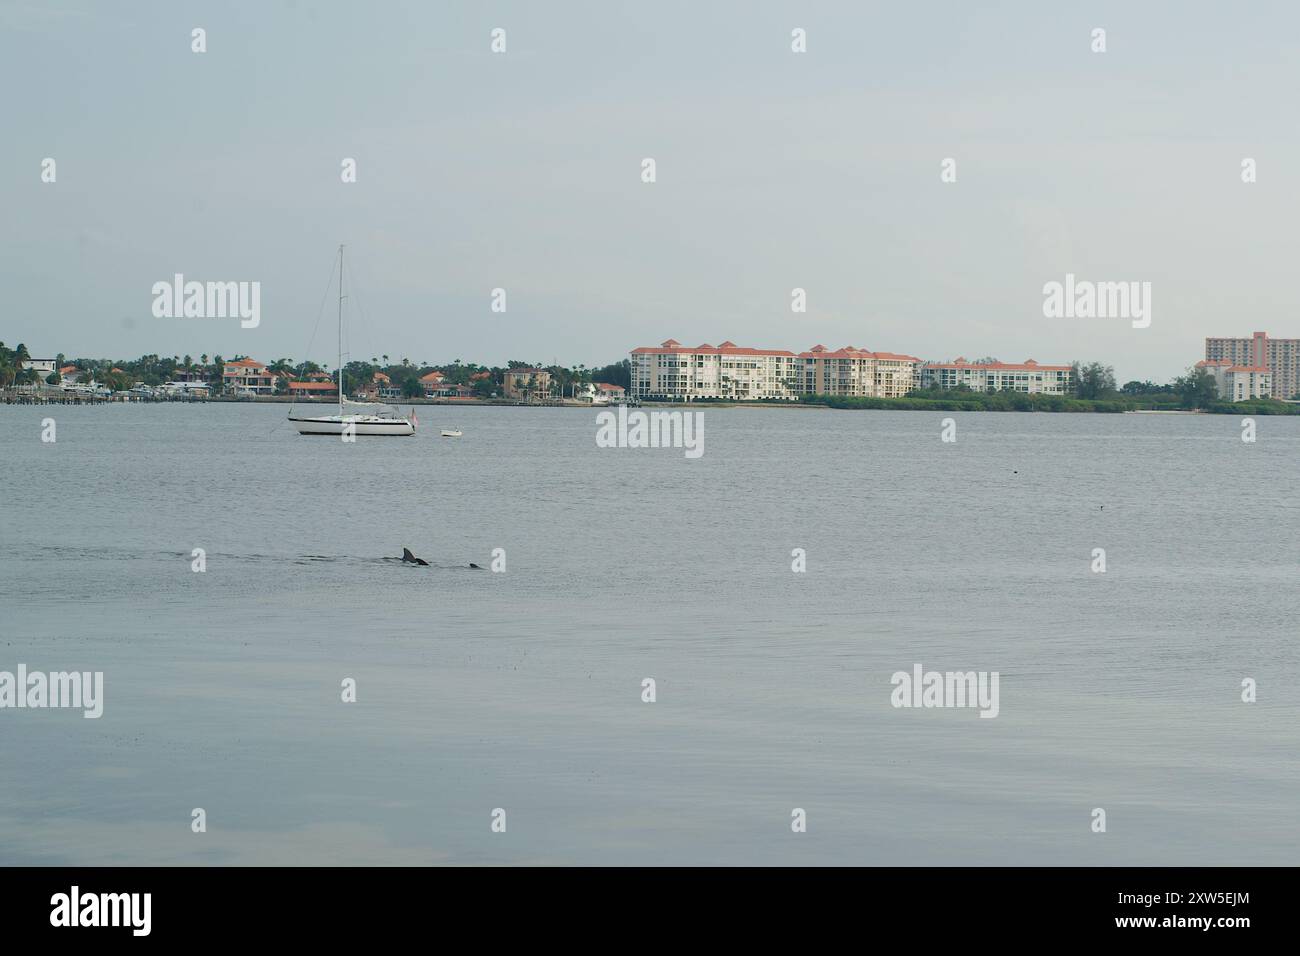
point(282, 368)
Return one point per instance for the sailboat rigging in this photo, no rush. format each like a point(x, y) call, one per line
point(366, 418)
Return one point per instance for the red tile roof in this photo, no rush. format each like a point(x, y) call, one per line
point(1028, 365)
point(672, 347)
point(849, 352)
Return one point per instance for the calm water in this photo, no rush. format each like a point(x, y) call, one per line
point(522, 690)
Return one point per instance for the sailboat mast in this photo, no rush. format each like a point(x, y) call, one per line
point(340, 330)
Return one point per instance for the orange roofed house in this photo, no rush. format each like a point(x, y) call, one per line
point(313, 389)
point(246, 375)
point(381, 388)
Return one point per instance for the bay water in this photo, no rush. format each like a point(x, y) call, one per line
point(523, 690)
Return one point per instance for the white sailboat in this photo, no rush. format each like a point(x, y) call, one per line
point(354, 418)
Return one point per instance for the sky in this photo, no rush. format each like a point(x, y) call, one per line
point(522, 170)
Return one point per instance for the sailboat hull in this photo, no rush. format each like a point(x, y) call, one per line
point(362, 425)
point(343, 424)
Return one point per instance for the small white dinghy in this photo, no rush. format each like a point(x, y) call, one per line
point(451, 433)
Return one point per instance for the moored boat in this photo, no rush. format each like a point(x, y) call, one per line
point(368, 418)
point(389, 422)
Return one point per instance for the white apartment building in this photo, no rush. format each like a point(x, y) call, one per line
point(1239, 383)
point(1279, 357)
point(674, 372)
point(1027, 376)
point(858, 373)
point(728, 371)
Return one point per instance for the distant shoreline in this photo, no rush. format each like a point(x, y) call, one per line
point(966, 403)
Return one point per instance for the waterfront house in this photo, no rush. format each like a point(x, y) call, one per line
point(314, 389)
point(432, 383)
point(526, 383)
point(247, 377)
point(380, 388)
point(604, 394)
point(42, 367)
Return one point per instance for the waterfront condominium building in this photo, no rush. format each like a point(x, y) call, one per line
point(1027, 376)
point(1281, 357)
point(1237, 383)
point(859, 373)
point(675, 372)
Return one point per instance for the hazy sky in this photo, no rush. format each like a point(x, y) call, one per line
point(775, 170)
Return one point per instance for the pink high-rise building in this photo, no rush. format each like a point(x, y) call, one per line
point(1281, 357)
